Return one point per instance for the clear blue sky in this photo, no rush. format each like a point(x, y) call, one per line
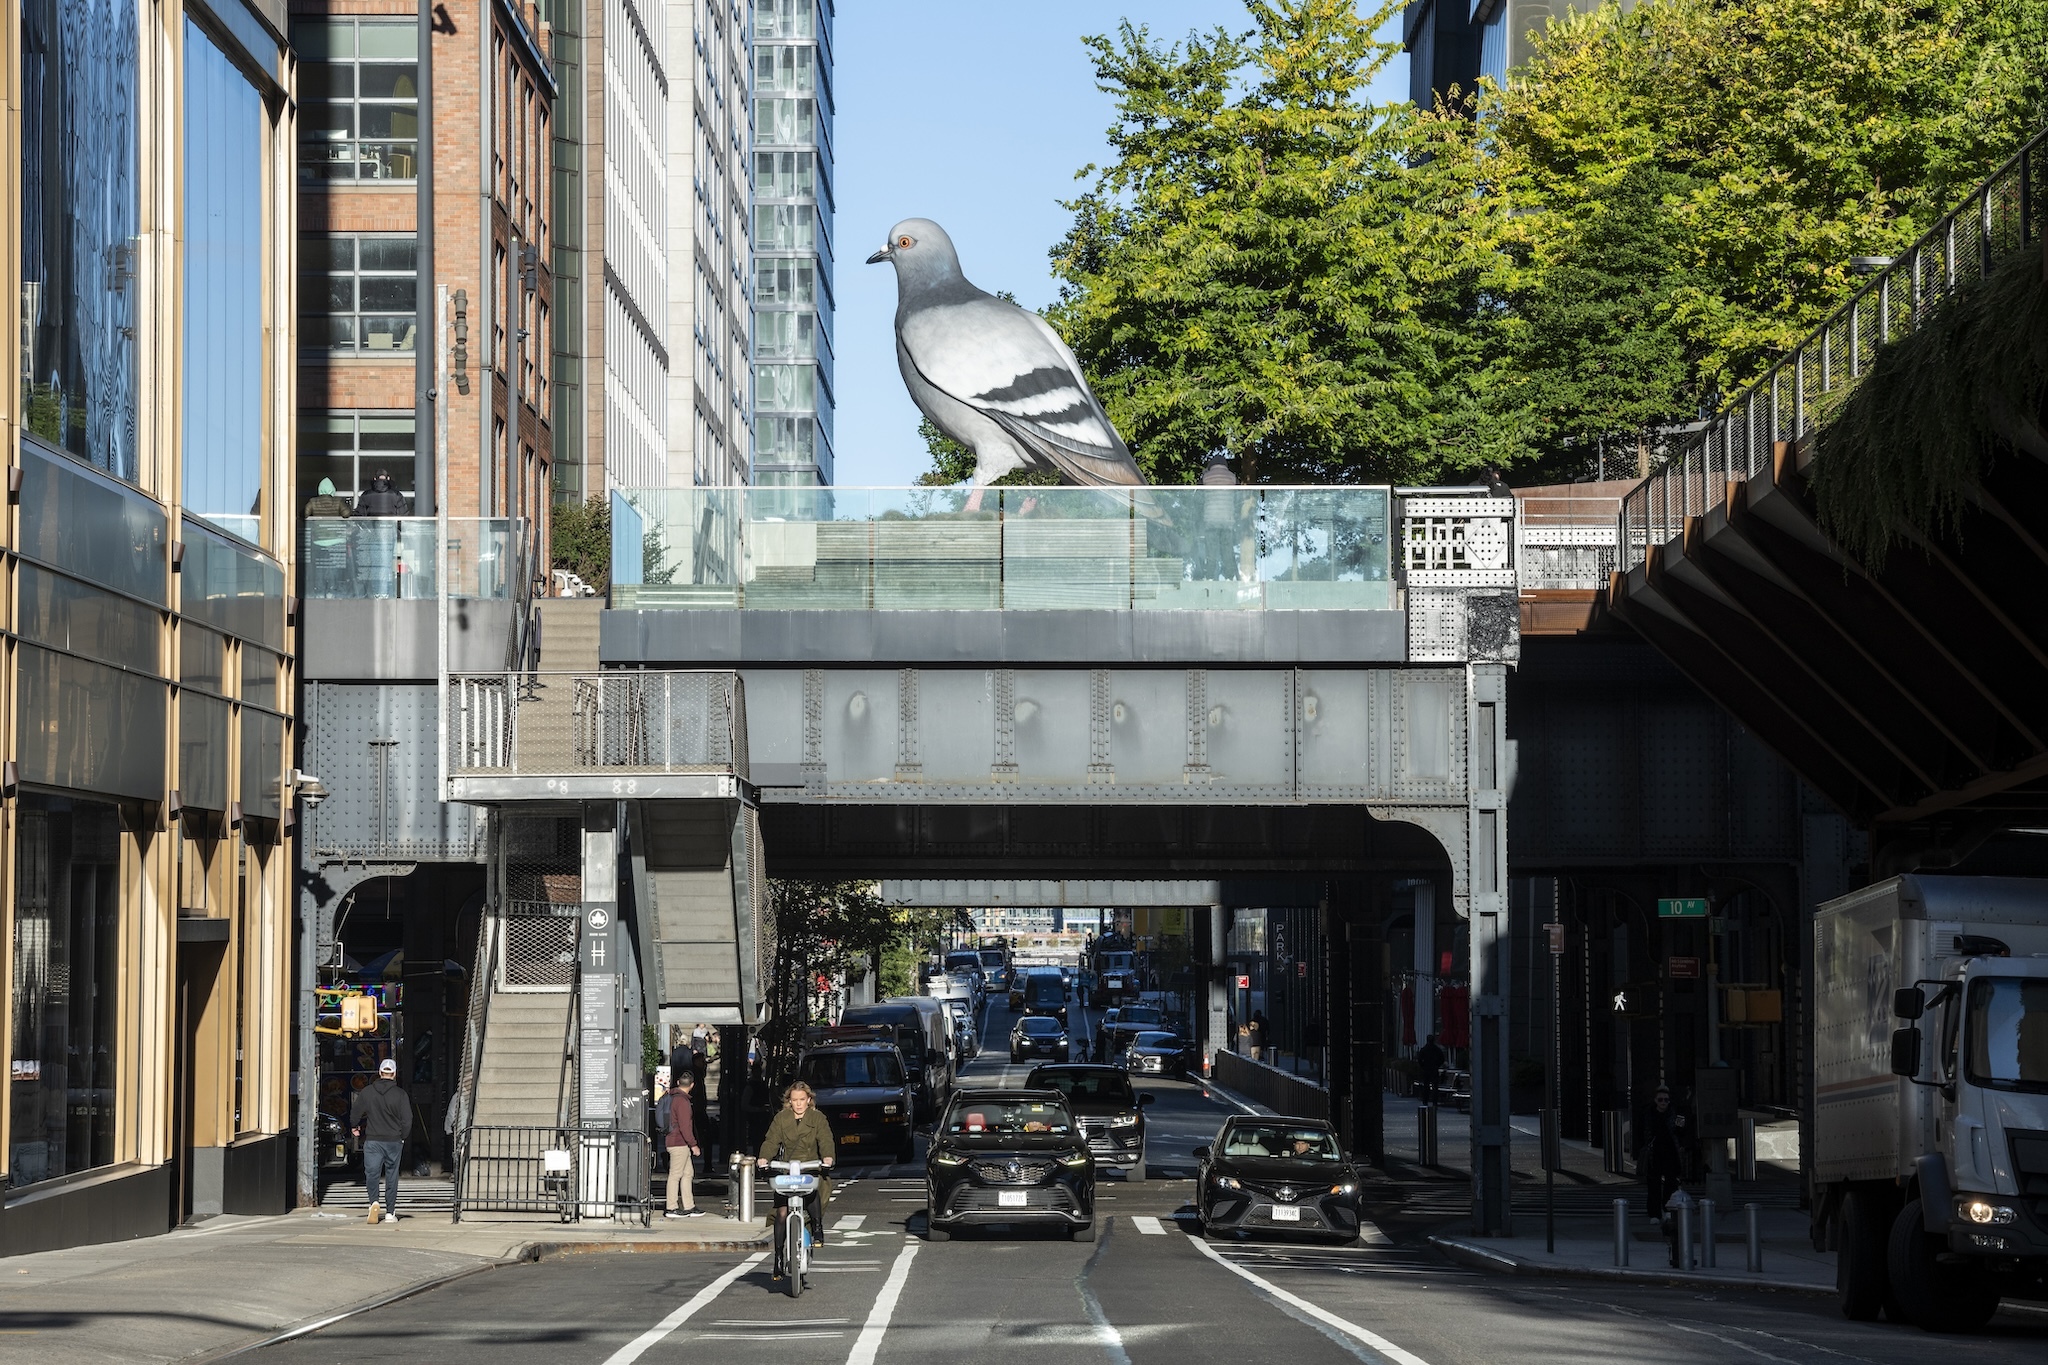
point(975, 115)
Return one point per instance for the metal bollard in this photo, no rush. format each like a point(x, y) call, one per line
point(1745, 1152)
point(745, 1184)
point(1683, 1242)
point(1425, 1135)
point(1707, 1234)
point(1756, 1238)
point(1621, 1231)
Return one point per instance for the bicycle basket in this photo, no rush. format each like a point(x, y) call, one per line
point(794, 1184)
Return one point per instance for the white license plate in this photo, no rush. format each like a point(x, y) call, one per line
point(1284, 1213)
point(1010, 1199)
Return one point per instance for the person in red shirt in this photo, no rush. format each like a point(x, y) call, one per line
point(682, 1147)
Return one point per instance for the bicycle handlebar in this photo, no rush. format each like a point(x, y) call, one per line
point(797, 1167)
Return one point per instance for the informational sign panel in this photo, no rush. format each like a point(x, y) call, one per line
point(597, 1052)
point(1691, 907)
point(1685, 968)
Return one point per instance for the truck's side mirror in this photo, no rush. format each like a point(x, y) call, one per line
point(1906, 1052)
point(1908, 1002)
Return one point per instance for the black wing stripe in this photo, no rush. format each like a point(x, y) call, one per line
point(1035, 384)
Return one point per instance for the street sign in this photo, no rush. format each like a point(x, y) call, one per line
point(1685, 967)
point(1691, 907)
point(1244, 983)
point(1301, 969)
point(1556, 932)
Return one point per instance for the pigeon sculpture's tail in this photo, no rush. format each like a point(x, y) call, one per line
point(991, 375)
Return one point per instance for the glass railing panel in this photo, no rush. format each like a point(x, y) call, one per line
point(807, 549)
point(1195, 549)
point(395, 558)
point(676, 547)
point(1325, 549)
point(937, 549)
point(1066, 549)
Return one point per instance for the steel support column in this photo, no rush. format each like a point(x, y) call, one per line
point(1487, 873)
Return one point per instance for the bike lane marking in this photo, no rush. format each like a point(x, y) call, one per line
point(639, 1345)
point(870, 1339)
point(1372, 1339)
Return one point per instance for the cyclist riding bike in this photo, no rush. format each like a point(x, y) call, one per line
point(800, 1133)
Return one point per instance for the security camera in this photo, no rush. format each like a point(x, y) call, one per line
point(310, 789)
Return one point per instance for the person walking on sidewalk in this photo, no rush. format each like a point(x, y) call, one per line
point(1657, 1150)
point(1429, 1068)
point(381, 1116)
point(679, 1122)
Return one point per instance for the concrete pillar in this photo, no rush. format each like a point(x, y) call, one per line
point(1367, 952)
point(1491, 959)
point(1218, 1035)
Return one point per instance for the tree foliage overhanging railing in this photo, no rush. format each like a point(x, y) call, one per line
point(2003, 214)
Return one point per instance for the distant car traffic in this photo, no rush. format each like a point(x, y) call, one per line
point(1009, 1157)
point(1285, 1176)
point(1110, 1112)
point(1130, 1021)
point(1038, 1035)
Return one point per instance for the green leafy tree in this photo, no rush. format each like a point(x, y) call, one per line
point(1687, 180)
point(580, 537)
point(1275, 268)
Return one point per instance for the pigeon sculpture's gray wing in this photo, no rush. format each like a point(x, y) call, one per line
point(1006, 364)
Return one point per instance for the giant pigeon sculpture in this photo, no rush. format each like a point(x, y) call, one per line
point(991, 375)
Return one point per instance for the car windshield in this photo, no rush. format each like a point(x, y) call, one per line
point(956, 962)
point(1087, 1087)
point(1042, 1023)
point(982, 1115)
point(832, 1070)
point(2008, 1033)
point(1139, 1014)
point(1281, 1140)
point(991, 957)
point(1157, 1040)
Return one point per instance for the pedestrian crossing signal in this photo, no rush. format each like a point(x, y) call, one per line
point(1636, 1000)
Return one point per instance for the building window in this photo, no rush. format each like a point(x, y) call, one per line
point(79, 210)
point(786, 70)
point(67, 922)
point(359, 293)
point(359, 112)
point(783, 19)
point(781, 279)
point(349, 448)
point(224, 388)
point(786, 121)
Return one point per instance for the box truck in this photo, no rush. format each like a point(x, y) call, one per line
point(1930, 1084)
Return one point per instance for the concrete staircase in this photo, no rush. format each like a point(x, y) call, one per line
point(568, 633)
point(524, 1081)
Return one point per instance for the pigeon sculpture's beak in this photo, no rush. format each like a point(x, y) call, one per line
point(879, 256)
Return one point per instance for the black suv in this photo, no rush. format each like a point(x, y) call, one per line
point(1111, 1114)
point(866, 1095)
point(1009, 1156)
point(1038, 1035)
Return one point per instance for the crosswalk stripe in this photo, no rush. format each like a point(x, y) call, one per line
point(1147, 1225)
point(848, 1222)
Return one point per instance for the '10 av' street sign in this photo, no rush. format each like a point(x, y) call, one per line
point(1692, 907)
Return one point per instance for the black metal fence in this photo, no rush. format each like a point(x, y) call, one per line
point(1279, 1091)
point(568, 1173)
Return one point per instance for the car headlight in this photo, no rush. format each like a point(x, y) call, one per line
point(1343, 1189)
point(1076, 1159)
point(889, 1108)
point(1124, 1121)
point(1985, 1212)
point(1226, 1182)
point(948, 1159)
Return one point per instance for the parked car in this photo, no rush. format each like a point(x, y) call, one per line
point(1285, 1176)
point(1110, 1112)
point(1009, 1156)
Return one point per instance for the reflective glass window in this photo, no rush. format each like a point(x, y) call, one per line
point(80, 619)
point(349, 448)
point(67, 921)
point(359, 293)
point(224, 388)
point(359, 110)
point(202, 659)
point(79, 209)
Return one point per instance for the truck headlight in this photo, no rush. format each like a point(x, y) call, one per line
point(1984, 1212)
point(889, 1109)
point(948, 1159)
point(1076, 1159)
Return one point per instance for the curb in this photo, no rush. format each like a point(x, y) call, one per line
point(1485, 1258)
point(535, 1251)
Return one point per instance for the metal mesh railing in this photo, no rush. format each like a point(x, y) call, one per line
point(628, 721)
point(2002, 215)
point(540, 946)
point(563, 1172)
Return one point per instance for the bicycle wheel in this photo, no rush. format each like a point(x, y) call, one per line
point(793, 1258)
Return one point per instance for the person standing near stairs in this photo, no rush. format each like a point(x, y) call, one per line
point(681, 1130)
point(381, 1115)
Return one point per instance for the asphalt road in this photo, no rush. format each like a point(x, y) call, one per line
point(1147, 1293)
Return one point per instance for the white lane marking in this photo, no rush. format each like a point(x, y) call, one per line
point(758, 1336)
point(767, 1324)
point(1106, 1336)
point(848, 1222)
point(1322, 1315)
point(877, 1326)
point(1370, 1231)
point(1148, 1225)
point(639, 1345)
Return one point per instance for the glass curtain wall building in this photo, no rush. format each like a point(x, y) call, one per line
point(793, 242)
point(149, 823)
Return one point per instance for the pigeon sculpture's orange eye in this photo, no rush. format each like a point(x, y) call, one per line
point(904, 241)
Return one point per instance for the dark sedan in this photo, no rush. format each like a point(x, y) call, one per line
point(1159, 1054)
point(1038, 1035)
point(1111, 1114)
point(1276, 1175)
point(1009, 1156)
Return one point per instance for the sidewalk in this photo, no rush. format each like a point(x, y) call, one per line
point(208, 1291)
point(1790, 1262)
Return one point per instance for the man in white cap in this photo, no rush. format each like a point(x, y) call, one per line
point(381, 1116)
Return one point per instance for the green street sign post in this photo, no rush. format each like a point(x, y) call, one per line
point(1690, 907)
